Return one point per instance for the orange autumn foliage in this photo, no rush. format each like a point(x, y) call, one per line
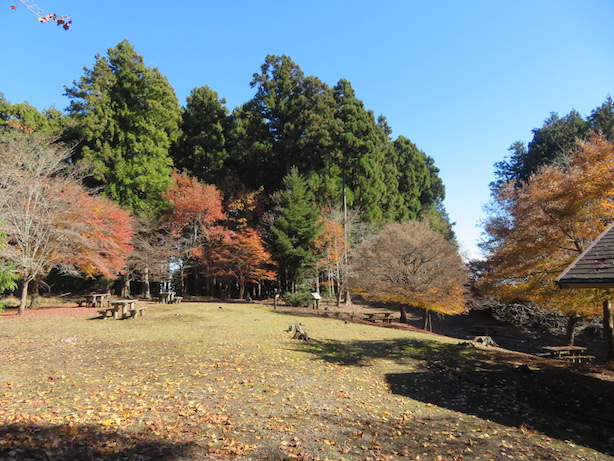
point(242, 255)
point(101, 232)
point(539, 228)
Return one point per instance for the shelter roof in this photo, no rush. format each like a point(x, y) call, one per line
point(595, 267)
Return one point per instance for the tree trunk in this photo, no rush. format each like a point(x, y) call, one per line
point(572, 323)
point(241, 289)
point(125, 286)
point(24, 297)
point(427, 323)
point(403, 318)
point(146, 290)
point(608, 330)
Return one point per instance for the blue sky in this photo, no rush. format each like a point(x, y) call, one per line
point(462, 80)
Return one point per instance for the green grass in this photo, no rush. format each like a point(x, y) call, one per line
point(193, 381)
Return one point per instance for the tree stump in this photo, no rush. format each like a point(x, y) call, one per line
point(297, 331)
point(485, 341)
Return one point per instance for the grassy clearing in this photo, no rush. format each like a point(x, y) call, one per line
point(196, 381)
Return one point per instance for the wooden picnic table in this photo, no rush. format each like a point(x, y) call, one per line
point(119, 309)
point(94, 299)
point(569, 353)
point(166, 297)
point(385, 317)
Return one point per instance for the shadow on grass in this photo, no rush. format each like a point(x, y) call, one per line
point(554, 400)
point(27, 442)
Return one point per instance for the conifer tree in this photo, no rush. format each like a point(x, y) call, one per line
point(294, 230)
point(126, 116)
point(202, 148)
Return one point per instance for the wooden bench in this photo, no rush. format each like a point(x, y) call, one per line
point(136, 310)
point(385, 317)
point(577, 358)
point(108, 312)
point(176, 299)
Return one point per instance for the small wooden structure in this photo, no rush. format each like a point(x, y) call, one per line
point(121, 309)
point(594, 268)
point(385, 317)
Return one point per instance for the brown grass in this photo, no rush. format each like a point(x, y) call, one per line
point(212, 380)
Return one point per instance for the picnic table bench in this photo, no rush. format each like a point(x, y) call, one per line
point(166, 297)
point(385, 317)
point(118, 309)
point(574, 354)
point(93, 300)
point(136, 310)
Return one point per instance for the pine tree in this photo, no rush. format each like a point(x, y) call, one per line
point(202, 148)
point(294, 230)
point(127, 116)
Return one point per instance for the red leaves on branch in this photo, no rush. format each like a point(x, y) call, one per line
point(103, 233)
point(195, 206)
point(242, 255)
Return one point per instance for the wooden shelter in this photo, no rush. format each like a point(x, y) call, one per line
point(594, 268)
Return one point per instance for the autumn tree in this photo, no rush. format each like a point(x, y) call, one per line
point(194, 215)
point(409, 264)
point(50, 220)
point(243, 256)
point(538, 228)
point(330, 248)
point(553, 142)
point(125, 117)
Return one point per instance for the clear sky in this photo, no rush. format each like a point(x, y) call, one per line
point(461, 79)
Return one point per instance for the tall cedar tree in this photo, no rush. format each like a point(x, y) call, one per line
point(418, 184)
point(285, 125)
point(201, 150)
point(537, 230)
point(294, 230)
point(126, 117)
point(409, 264)
point(359, 148)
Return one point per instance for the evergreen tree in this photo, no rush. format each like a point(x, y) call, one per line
point(25, 117)
point(359, 148)
point(285, 125)
point(127, 116)
point(602, 119)
point(202, 148)
point(294, 230)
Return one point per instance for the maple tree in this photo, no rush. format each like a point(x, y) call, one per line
point(193, 219)
point(242, 255)
point(409, 264)
point(44, 16)
point(50, 220)
point(538, 228)
point(330, 248)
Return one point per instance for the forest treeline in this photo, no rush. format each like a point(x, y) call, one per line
point(292, 177)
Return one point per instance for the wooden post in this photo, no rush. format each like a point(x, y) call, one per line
point(608, 330)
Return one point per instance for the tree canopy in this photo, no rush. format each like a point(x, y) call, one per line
point(410, 264)
point(126, 117)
